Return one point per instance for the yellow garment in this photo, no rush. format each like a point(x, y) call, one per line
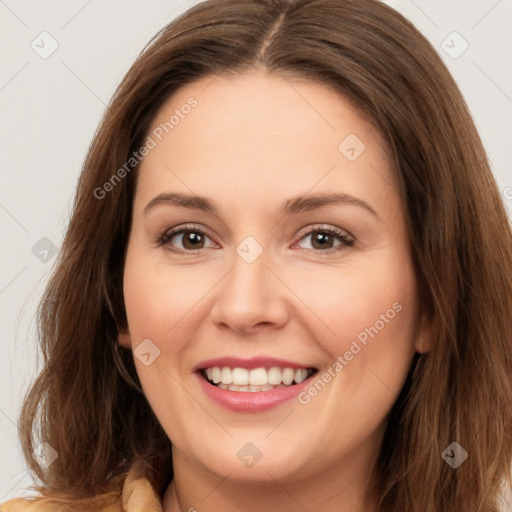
point(137, 496)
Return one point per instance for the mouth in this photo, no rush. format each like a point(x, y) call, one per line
point(253, 385)
point(255, 380)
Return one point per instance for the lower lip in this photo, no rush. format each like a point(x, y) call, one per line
point(247, 401)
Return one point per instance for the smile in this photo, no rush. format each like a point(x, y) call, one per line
point(256, 379)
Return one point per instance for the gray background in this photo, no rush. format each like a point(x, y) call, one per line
point(51, 106)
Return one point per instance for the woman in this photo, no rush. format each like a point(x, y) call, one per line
point(286, 283)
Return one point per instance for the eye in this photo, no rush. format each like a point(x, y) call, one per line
point(189, 238)
point(327, 239)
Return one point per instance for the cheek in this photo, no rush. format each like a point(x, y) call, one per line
point(159, 300)
point(368, 319)
point(367, 325)
point(374, 299)
point(160, 304)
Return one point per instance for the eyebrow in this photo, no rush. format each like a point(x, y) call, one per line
point(293, 205)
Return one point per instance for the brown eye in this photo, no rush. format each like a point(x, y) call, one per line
point(185, 239)
point(322, 240)
point(327, 239)
point(192, 240)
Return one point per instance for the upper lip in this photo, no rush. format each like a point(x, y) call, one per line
point(250, 363)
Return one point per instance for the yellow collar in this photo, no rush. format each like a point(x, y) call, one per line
point(137, 495)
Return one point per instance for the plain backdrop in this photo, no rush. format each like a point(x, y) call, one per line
point(61, 62)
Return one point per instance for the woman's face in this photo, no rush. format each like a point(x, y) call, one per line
point(268, 233)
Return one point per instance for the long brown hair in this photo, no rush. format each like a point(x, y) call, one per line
point(87, 403)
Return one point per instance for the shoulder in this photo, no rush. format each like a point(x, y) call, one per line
point(22, 505)
point(19, 505)
point(137, 494)
point(47, 505)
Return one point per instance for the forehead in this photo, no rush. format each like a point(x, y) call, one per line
point(258, 131)
point(259, 102)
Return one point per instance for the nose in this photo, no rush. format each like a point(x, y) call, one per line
point(250, 298)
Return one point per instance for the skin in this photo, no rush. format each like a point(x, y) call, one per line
point(252, 142)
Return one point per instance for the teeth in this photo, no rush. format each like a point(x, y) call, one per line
point(257, 379)
point(274, 376)
point(226, 377)
point(216, 374)
point(300, 375)
point(240, 376)
point(288, 375)
point(251, 389)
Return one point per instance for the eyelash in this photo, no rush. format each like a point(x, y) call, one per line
point(346, 240)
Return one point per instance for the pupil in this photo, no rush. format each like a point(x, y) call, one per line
point(322, 239)
point(193, 239)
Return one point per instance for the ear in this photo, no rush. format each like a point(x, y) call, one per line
point(124, 339)
point(424, 341)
